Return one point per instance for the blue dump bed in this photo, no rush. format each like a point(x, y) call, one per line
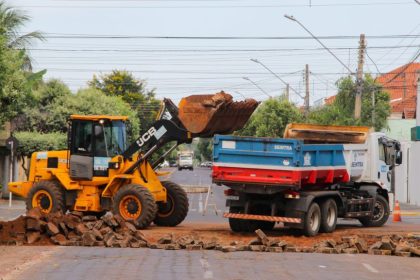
point(276, 161)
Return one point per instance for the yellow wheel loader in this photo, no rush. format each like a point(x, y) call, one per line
point(100, 172)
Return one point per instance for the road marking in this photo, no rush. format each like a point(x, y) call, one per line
point(370, 268)
point(322, 266)
point(208, 274)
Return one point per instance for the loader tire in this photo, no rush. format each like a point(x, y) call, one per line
point(329, 215)
point(173, 212)
point(48, 196)
point(135, 203)
point(380, 213)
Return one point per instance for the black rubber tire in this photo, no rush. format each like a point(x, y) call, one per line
point(236, 225)
point(314, 211)
point(329, 214)
point(240, 225)
point(177, 203)
point(54, 190)
point(148, 204)
point(380, 221)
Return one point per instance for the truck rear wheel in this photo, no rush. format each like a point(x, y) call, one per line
point(240, 225)
point(329, 215)
point(312, 220)
point(135, 203)
point(380, 213)
point(174, 211)
point(47, 196)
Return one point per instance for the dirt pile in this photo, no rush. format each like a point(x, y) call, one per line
point(76, 229)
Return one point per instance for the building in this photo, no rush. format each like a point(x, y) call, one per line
point(402, 84)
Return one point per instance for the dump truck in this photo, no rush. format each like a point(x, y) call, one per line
point(308, 179)
point(100, 171)
point(185, 160)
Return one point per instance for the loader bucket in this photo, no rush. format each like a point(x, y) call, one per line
point(207, 115)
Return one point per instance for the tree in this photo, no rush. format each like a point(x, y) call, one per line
point(271, 118)
point(341, 112)
point(133, 91)
point(13, 87)
point(204, 149)
point(11, 22)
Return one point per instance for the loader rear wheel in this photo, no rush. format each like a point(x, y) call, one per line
point(380, 213)
point(135, 203)
point(174, 211)
point(46, 195)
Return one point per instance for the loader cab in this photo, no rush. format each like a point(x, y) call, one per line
point(93, 142)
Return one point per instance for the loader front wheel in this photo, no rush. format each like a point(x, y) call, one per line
point(135, 203)
point(47, 196)
point(174, 211)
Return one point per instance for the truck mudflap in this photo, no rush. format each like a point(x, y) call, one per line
point(262, 218)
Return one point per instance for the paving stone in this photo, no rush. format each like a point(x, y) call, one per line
point(81, 229)
point(306, 249)
point(35, 213)
point(89, 218)
point(274, 249)
point(209, 245)
point(380, 252)
point(33, 237)
point(255, 242)
point(59, 239)
point(33, 224)
point(415, 251)
point(172, 247)
point(262, 236)
point(193, 247)
point(403, 254)
point(257, 248)
point(228, 249)
point(291, 249)
point(99, 243)
point(361, 245)
point(52, 229)
point(88, 238)
point(110, 220)
point(185, 240)
point(350, 251)
point(243, 248)
point(98, 234)
point(166, 239)
point(63, 228)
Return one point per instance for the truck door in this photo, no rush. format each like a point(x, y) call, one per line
point(383, 171)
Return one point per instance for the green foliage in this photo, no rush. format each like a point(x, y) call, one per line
point(30, 142)
point(11, 23)
point(13, 89)
point(204, 149)
point(123, 84)
point(271, 118)
point(341, 112)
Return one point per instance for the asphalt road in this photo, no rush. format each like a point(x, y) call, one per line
point(114, 263)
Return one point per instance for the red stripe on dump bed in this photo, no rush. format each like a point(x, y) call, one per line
point(262, 218)
point(287, 177)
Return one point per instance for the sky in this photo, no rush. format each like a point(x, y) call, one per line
point(202, 47)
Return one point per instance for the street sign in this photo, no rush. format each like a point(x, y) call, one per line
point(12, 143)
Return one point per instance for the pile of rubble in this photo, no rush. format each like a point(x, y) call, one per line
point(76, 229)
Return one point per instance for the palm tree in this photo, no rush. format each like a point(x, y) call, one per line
point(11, 21)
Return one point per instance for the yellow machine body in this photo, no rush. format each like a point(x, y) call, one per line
point(89, 193)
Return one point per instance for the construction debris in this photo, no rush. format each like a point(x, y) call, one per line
point(74, 229)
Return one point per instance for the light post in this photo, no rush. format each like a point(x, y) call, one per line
point(277, 76)
point(257, 86)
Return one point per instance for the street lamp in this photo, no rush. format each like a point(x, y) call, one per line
point(256, 85)
point(277, 76)
point(324, 46)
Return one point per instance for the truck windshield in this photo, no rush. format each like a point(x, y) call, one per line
point(185, 158)
point(110, 139)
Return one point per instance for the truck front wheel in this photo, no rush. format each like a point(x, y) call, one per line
point(328, 215)
point(380, 213)
point(312, 220)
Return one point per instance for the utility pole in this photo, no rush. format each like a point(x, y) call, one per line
point(306, 105)
point(359, 79)
point(287, 92)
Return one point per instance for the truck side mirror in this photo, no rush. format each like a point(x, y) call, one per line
point(398, 157)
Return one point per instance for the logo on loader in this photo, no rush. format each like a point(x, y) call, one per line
point(145, 137)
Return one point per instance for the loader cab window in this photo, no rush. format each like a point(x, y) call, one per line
point(110, 139)
point(82, 138)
